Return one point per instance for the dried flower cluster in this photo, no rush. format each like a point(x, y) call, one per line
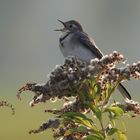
point(65, 80)
point(70, 106)
point(50, 124)
point(133, 106)
point(5, 103)
point(90, 86)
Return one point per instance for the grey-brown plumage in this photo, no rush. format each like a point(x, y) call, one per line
point(75, 42)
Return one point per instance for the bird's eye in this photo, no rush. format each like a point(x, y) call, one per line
point(70, 26)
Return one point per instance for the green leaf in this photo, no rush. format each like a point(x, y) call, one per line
point(77, 115)
point(121, 135)
point(93, 137)
point(85, 122)
point(116, 110)
point(112, 131)
point(81, 119)
point(84, 91)
point(95, 87)
point(79, 129)
point(109, 90)
point(97, 92)
point(96, 111)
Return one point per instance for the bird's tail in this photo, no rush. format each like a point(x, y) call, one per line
point(124, 91)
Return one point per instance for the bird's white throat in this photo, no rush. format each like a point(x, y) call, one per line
point(65, 33)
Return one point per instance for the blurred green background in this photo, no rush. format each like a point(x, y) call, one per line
point(29, 50)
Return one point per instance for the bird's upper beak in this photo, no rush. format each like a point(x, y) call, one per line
point(63, 25)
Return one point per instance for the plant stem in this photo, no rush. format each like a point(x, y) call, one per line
point(102, 126)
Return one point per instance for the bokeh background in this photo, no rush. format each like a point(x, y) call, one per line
point(29, 50)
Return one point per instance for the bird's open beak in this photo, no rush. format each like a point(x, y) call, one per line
point(63, 25)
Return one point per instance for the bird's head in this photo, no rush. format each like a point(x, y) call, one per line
point(70, 26)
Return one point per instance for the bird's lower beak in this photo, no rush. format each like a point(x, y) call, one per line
point(62, 28)
point(59, 29)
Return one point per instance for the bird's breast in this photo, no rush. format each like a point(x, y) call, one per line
point(71, 47)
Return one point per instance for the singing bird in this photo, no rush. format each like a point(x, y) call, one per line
point(75, 42)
